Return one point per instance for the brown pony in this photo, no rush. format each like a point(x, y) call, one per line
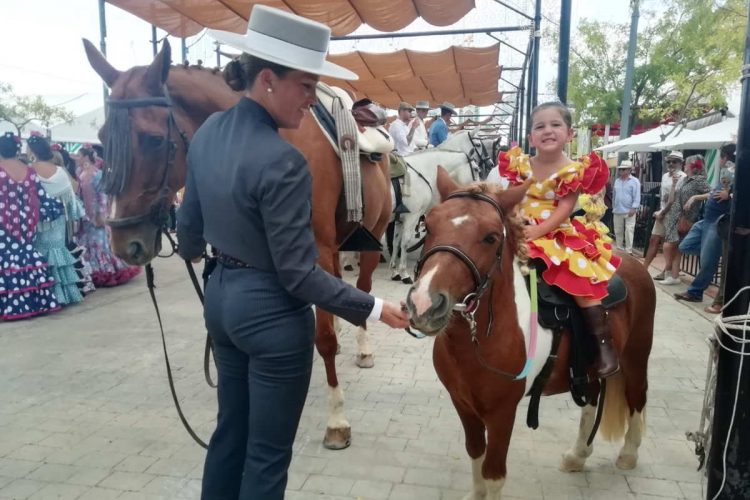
point(473, 240)
point(153, 113)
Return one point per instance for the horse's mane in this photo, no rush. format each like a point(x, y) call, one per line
point(514, 225)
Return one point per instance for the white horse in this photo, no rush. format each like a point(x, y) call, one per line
point(461, 156)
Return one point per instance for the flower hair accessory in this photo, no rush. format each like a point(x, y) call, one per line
point(88, 145)
point(56, 147)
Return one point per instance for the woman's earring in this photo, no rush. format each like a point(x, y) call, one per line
point(269, 90)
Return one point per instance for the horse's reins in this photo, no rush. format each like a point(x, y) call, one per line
point(158, 215)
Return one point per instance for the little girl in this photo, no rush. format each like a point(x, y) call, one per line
point(577, 256)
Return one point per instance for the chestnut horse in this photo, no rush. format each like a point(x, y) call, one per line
point(163, 107)
point(472, 247)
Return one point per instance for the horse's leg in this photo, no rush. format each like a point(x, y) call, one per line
point(393, 263)
point(368, 261)
point(499, 430)
point(338, 431)
point(409, 223)
point(628, 457)
point(336, 321)
point(475, 447)
point(574, 459)
point(635, 394)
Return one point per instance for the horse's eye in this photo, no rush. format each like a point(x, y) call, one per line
point(490, 239)
point(152, 141)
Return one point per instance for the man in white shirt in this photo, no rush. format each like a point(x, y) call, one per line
point(401, 132)
point(625, 204)
point(420, 139)
point(674, 162)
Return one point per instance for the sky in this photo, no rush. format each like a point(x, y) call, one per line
point(43, 54)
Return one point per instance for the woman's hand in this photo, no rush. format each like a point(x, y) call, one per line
point(394, 315)
point(658, 215)
point(689, 203)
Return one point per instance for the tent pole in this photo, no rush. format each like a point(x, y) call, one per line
point(563, 57)
point(184, 49)
point(413, 34)
point(154, 41)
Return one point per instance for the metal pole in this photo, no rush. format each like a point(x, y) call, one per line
point(103, 46)
point(537, 39)
point(184, 50)
point(628, 90)
point(218, 55)
point(563, 57)
point(498, 29)
point(529, 96)
point(730, 435)
point(154, 42)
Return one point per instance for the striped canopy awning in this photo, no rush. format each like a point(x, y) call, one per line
point(184, 18)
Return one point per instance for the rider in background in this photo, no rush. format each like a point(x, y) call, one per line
point(578, 259)
point(439, 128)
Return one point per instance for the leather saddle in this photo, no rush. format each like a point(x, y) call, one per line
point(372, 137)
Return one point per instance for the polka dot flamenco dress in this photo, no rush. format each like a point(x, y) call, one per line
point(578, 257)
point(25, 283)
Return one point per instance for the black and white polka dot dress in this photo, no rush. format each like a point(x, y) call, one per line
point(25, 283)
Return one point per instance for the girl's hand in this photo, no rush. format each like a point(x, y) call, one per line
point(532, 233)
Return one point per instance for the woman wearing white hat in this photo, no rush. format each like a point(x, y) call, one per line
point(248, 194)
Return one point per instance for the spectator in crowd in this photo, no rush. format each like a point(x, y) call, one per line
point(439, 128)
point(627, 200)
point(25, 282)
point(674, 175)
point(401, 131)
point(681, 215)
point(703, 238)
point(420, 140)
point(726, 160)
point(53, 237)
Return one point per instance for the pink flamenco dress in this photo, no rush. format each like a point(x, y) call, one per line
point(578, 257)
point(26, 285)
point(106, 268)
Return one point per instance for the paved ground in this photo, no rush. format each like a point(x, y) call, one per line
point(85, 412)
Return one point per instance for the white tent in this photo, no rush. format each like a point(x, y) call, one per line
point(82, 129)
point(640, 142)
point(675, 139)
point(711, 137)
point(27, 130)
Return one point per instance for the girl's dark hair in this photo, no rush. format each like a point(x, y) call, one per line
point(562, 108)
point(240, 74)
point(40, 147)
point(10, 145)
point(68, 163)
point(88, 153)
point(729, 151)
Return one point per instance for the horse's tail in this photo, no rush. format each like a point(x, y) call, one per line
point(616, 410)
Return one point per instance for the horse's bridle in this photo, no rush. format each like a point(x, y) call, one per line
point(484, 161)
point(158, 212)
point(468, 306)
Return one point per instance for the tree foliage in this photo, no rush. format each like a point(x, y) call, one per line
point(686, 61)
point(22, 110)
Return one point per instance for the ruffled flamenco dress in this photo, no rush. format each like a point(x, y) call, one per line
point(26, 287)
point(578, 255)
point(106, 268)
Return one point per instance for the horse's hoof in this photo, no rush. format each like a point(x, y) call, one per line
point(396, 277)
point(627, 462)
point(572, 463)
point(407, 281)
point(338, 439)
point(365, 361)
point(348, 267)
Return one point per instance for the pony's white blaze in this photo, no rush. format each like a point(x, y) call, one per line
point(421, 296)
point(457, 221)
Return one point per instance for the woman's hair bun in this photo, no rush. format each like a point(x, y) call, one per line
point(234, 75)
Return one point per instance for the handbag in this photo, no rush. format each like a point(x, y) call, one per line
point(683, 226)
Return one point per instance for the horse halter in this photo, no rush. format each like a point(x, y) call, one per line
point(158, 212)
point(470, 303)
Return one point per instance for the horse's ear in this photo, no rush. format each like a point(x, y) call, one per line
point(445, 184)
point(102, 67)
point(158, 71)
point(511, 197)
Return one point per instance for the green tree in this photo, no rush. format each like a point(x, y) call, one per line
point(686, 61)
point(22, 110)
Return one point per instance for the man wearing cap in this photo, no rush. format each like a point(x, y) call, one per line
point(674, 162)
point(420, 140)
point(627, 199)
point(439, 128)
point(401, 131)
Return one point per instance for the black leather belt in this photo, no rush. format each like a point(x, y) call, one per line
point(231, 263)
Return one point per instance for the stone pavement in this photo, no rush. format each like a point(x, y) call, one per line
point(85, 412)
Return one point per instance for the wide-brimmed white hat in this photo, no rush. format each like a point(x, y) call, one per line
point(625, 164)
point(286, 39)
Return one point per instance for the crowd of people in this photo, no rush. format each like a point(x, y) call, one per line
point(54, 245)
